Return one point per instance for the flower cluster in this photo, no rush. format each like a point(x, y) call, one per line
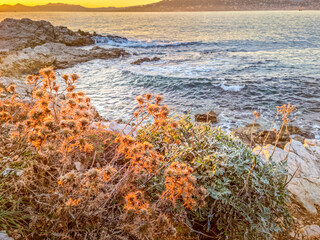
point(57, 117)
point(180, 184)
point(141, 155)
point(149, 105)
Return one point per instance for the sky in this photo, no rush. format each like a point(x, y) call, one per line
point(85, 3)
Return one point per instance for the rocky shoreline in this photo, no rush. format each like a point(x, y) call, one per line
point(26, 46)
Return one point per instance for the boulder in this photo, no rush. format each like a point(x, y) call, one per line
point(58, 55)
point(303, 163)
point(310, 232)
point(207, 117)
point(146, 59)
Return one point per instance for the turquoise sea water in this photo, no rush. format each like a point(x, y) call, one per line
point(231, 62)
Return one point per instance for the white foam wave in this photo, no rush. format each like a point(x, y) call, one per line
point(123, 42)
point(232, 88)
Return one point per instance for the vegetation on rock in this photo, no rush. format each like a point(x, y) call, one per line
point(64, 176)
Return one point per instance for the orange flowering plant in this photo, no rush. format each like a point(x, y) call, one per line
point(169, 179)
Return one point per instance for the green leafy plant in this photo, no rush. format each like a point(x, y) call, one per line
point(232, 208)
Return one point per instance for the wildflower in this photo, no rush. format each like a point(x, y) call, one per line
point(82, 106)
point(46, 72)
point(12, 88)
point(84, 122)
point(158, 98)
point(49, 123)
point(164, 123)
point(140, 100)
point(81, 94)
point(72, 202)
point(60, 182)
point(174, 124)
point(44, 103)
point(256, 114)
point(71, 103)
point(131, 199)
point(29, 79)
point(152, 108)
point(74, 77)
point(56, 88)
point(71, 124)
point(39, 93)
point(86, 114)
point(148, 96)
point(164, 111)
point(88, 147)
point(65, 77)
point(70, 88)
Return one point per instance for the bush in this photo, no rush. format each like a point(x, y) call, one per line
point(233, 207)
point(71, 178)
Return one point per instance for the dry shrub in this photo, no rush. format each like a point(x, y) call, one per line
point(76, 179)
point(73, 179)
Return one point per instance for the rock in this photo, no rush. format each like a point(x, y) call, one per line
point(254, 125)
point(19, 34)
point(244, 133)
point(146, 59)
point(207, 117)
point(263, 137)
point(299, 138)
point(78, 166)
point(22, 87)
point(58, 55)
point(310, 232)
point(4, 236)
point(303, 161)
point(118, 127)
point(295, 130)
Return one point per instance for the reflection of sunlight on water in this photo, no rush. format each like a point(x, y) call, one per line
point(233, 63)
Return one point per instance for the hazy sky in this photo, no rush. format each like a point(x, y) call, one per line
point(85, 3)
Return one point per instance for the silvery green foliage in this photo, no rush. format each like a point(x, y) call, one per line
point(221, 165)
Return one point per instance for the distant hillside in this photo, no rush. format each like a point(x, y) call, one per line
point(51, 7)
point(228, 5)
point(178, 5)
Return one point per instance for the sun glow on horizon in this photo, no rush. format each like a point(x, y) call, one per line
point(85, 3)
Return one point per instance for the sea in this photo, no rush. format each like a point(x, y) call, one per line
point(231, 62)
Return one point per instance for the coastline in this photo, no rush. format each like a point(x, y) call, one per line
point(63, 48)
point(301, 153)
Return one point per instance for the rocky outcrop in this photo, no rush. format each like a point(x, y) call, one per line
point(303, 163)
point(206, 117)
point(146, 59)
point(26, 46)
point(58, 55)
point(19, 34)
point(256, 135)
